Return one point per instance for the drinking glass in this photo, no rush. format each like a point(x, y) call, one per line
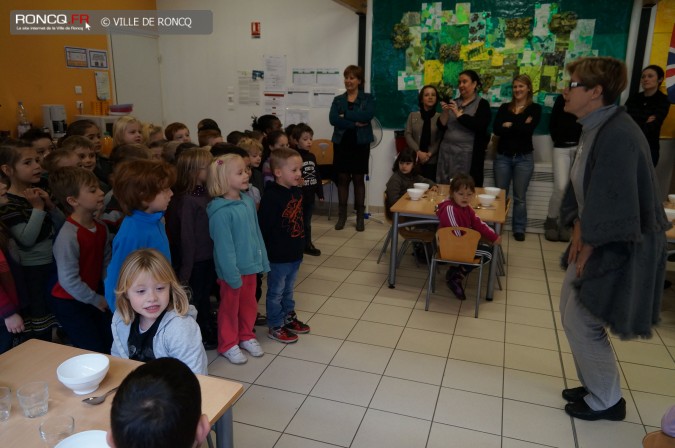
point(34, 398)
point(5, 403)
point(54, 429)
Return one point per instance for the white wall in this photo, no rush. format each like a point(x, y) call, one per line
point(197, 70)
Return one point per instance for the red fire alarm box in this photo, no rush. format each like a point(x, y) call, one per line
point(255, 30)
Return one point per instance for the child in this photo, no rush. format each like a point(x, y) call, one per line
point(292, 141)
point(239, 254)
point(82, 252)
point(152, 133)
point(32, 220)
point(209, 137)
point(457, 212)
point(234, 137)
point(84, 149)
point(207, 123)
point(40, 140)
point(177, 131)
point(406, 174)
point(266, 124)
point(154, 318)
point(127, 130)
point(272, 141)
point(10, 303)
point(158, 405)
point(282, 228)
point(58, 159)
point(254, 150)
point(143, 190)
point(88, 129)
point(187, 227)
point(303, 134)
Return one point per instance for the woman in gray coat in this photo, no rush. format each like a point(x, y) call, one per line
point(617, 256)
point(421, 131)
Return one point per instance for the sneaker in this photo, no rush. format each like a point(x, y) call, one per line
point(282, 335)
point(455, 285)
point(235, 356)
point(253, 347)
point(294, 325)
point(518, 236)
point(260, 320)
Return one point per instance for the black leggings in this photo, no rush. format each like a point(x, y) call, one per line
point(343, 181)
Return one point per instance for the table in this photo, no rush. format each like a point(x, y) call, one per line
point(425, 211)
point(37, 360)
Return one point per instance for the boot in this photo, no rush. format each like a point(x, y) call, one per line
point(551, 229)
point(342, 217)
point(564, 234)
point(360, 225)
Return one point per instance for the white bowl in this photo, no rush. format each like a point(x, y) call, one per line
point(415, 193)
point(422, 186)
point(91, 439)
point(670, 213)
point(486, 200)
point(494, 191)
point(671, 198)
point(83, 373)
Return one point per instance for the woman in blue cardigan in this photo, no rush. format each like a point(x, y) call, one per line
point(350, 115)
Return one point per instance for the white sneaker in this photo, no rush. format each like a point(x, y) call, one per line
point(253, 347)
point(235, 356)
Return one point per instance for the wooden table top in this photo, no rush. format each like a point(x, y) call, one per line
point(37, 360)
point(427, 204)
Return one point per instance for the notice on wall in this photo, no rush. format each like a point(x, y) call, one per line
point(295, 116)
point(102, 85)
point(304, 76)
point(275, 73)
point(274, 104)
point(323, 97)
point(297, 97)
point(248, 83)
point(76, 57)
point(328, 77)
point(98, 59)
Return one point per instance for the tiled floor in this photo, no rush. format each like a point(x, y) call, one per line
point(379, 371)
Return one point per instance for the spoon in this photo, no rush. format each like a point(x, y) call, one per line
point(100, 399)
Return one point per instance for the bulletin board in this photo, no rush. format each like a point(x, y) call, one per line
point(417, 43)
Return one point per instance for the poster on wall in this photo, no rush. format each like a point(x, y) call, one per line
point(275, 73)
point(98, 59)
point(76, 57)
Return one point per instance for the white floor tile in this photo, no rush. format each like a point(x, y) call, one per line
point(530, 359)
point(292, 375)
point(416, 367)
point(473, 377)
point(327, 421)
point(469, 410)
point(480, 328)
point(331, 326)
point(538, 424)
point(356, 292)
point(390, 430)
point(444, 436)
point(347, 386)
point(531, 336)
point(266, 407)
point(477, 350)
point(352, 309)
point(247, 436)
point(289, 441)
point(386, 314)
point(606, 434)
point(405, 397)
point(423, 341)
point(245, 372)
point(533, 388)
point(376, 334)
point(363, 357)
point(311, 347)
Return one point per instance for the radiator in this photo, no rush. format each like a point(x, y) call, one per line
point(538, 195)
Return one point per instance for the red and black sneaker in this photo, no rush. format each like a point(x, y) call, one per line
point(455, 284)
point(294, 325)
point(282, 335)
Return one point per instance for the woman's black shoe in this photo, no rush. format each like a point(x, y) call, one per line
point(581, 411)
point(575, 394)
point(519, 236)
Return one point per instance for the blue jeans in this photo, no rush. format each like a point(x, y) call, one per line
point(518, 168)
point(280, 283)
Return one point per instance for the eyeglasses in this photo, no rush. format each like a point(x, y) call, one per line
point(573, 84)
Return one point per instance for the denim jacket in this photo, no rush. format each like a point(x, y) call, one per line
point(342, 118)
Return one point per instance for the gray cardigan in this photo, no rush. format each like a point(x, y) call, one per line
point(177, 337)
point(413, 132)
point(624, 221)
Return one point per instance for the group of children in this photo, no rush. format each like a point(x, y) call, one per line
point(123, 251)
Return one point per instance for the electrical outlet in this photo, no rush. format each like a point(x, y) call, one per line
point(78, 90)
point(79, 105)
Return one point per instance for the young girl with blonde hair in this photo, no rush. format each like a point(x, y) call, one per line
point(154, 318)
point(239, 254)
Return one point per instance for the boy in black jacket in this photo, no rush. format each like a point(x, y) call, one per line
point(282, 227)
point(303, 134)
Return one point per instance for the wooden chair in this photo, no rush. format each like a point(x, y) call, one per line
point(410, 235)
point(457, 246)
point(323, 151)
